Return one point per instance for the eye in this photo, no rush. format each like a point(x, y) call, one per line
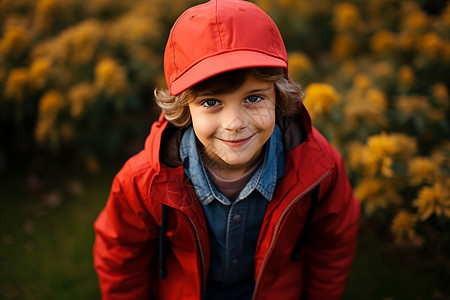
point(210, 103)
point(253, 99)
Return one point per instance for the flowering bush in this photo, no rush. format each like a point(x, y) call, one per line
point(377, 78)
point(74, 75)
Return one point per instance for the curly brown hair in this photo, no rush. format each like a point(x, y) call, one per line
point(288, 93)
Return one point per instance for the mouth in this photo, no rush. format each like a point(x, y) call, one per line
point(237, 143)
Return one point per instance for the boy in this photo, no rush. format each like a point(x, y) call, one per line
point(236, 195)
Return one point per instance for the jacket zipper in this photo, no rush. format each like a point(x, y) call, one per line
point(197, 237)
point(277, 228)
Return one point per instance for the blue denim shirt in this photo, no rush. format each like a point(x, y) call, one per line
point(233, 226)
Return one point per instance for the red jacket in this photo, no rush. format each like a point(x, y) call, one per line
point(127, 244)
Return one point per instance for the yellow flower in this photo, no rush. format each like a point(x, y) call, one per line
point(110, 77)
point(440, 93)
point(47, 13)
point(44, 130)
point(79, 43)
point(369, 191)
point(286, 3)
point(355, 155)
point(377, 98)
point(407, 41)
point(386, 167)
point(16, 84)
point(47, 7)
point(362, 82)
point(134, 28)
point(441, 154)
point(434, 199)
point(80, 97)
point(383, 70)
point(376, 194)
point(84, 40)
point(406, 76)
point(40, 72)
point(320, 97)
point(382, 145)
point(347, 70)
point(346, 17)
point(343, 46)
point(377, 6)
point(14, 42)
point(436, 115)
point(445, 15)
point(306, 8)
point(299, 65)
point(73, 46)
point(422, 170)
point(365, 107)
point(378, 152)
point(407, 146)
point(381, 149)
point(52, 102)
point(415, 21)
point(371, 162)
point(430, 45)
point(403, 225)
point(368, 187)
point(413, 104)
point(383, 42)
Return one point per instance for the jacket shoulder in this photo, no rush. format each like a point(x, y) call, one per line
point(338, 176)
point(135, 167)
point(134, 180)
point(330, 152)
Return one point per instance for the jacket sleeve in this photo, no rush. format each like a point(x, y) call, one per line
point(125, 245)
point(331, 245)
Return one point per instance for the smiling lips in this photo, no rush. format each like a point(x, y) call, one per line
point(237, 143)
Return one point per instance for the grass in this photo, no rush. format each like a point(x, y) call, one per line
point(380, 271)
point(46, 245)
point(46, 250)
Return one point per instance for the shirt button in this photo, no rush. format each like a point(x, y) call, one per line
point(237, 218)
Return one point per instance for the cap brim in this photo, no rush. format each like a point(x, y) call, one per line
point(223, 62)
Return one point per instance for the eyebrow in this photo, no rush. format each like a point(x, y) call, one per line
point(208, 93)
point(259, 90)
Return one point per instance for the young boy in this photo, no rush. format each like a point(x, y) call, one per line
point(236, 195)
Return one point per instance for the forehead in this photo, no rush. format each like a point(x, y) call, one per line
point(248, 84)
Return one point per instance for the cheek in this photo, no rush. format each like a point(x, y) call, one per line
point(264, 117)
point(203, 126)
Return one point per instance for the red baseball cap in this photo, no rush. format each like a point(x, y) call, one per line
point(219, 36)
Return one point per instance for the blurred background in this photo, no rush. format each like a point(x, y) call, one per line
point(76, 84)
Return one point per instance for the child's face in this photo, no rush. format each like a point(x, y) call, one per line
point(233, 127)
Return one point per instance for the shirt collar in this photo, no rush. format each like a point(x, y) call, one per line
point(264, 180)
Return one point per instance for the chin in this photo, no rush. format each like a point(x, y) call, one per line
point(237, 161)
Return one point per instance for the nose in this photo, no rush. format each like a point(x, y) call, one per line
point(234, 120)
